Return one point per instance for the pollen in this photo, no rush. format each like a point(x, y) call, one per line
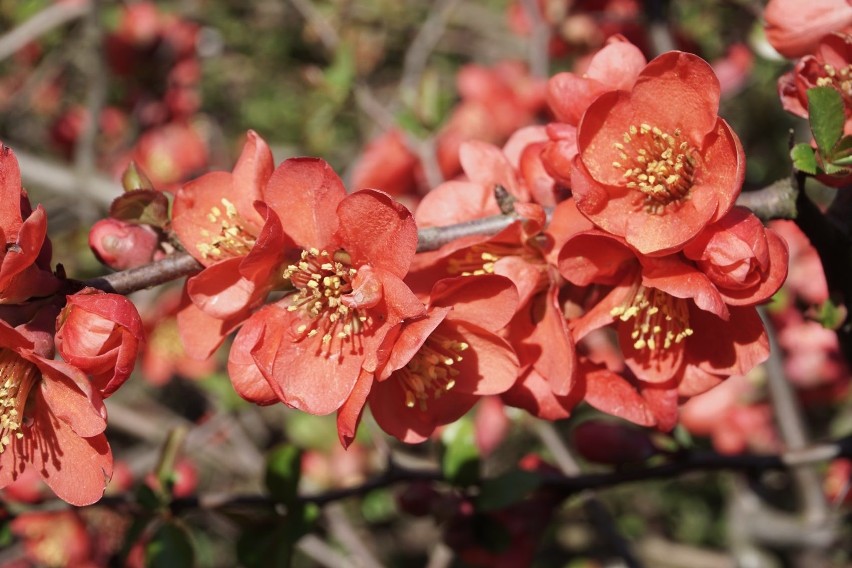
point(432, 371)
point(659, 319)
point(230, 239)
point(657, 164)
point(16, 379)
point(481, 259)
point(321, 280)
point(839, 79)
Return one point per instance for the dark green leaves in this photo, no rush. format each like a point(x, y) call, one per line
point(833, 154)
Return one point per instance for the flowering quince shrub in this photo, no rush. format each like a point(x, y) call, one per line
point(585, 249)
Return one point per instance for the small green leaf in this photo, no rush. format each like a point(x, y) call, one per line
point(170, 546)
point(834, 169)
point(461, 456)
point(830, 315)
point(507, 489)
point(825, 109)
point(341, 74)
point(283, 472)
point(845, 161)
point(804, 159)
point(149, 499)
point(842, 149)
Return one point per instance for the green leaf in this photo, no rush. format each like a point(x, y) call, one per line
point(842, 149)
point(825, 109)
point(340, 76)
point(507, 489)
point(845, 161)
point(834, 169)
point(170, 546)
point(804, 159)
point(460, 461)
point(830, 315)
point(283, 472)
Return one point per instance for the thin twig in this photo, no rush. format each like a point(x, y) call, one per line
point(424, 43)
point(539, 43)
point(52, 17)
point(791, 425)
point(342, 530)
point(594, 507)
point(59, 179)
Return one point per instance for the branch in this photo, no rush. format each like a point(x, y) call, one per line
point(431, 238)
point(775, 201)
point(46, 20)
point(539, 46)
point(566, 485)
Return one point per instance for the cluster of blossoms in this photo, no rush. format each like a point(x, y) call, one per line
point(624, 218)
point(52, 415)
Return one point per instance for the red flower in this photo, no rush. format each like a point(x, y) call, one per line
point(656, 164)
point(54, 538)
point(441, 364)
point(794, 27)
point(671, 321)
point(745, 261)
point(615, 66)
point(241, 244)
point(100, 334)
point(25, 259)
point(347, 294)
point(830, 65)
point(52, 421)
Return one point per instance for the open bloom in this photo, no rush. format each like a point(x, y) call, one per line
point(51, 420)
point(829, 66)
point(656, 164)
point(241, 245)
point(308, 349)
point(441, 364)
point(674, 329)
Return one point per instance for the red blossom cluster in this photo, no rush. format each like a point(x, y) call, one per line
point(53, 416)
point(643, 237)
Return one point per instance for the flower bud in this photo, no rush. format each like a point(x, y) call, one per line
point(121, 245)
point(100, 334)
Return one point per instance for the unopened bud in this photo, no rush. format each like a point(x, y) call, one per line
point(121, 245)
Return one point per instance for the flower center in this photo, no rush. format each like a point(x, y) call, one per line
point(480, 259)
point(321, 280)
point(839, 79)
point(657, 164)
point(430, 372)
point(659, 319)
point(17, 377)
point(231, 240)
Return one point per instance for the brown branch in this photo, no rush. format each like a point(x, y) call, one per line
point(566, 485)
point(431, 238)
point(171, 268)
